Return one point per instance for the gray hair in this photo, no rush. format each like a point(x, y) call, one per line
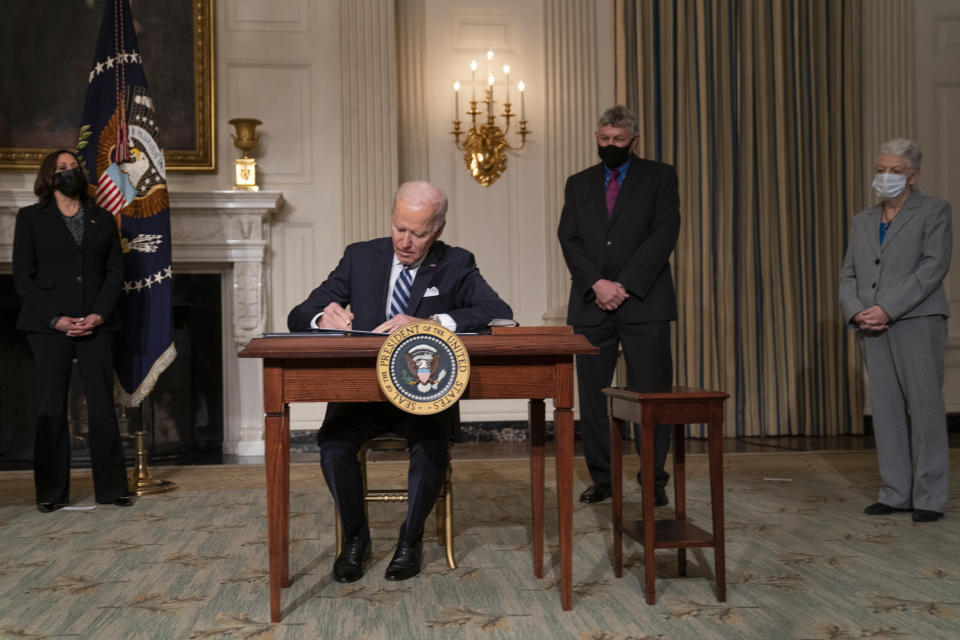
point(423, 194)
point(621, 118)
point(903, 148)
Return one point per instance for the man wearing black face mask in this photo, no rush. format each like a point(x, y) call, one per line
point(619, 225)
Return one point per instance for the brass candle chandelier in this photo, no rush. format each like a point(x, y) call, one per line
point(485, 145)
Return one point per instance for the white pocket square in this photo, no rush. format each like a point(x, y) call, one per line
point(432, 291)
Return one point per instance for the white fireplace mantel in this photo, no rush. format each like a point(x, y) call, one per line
point(228, 232)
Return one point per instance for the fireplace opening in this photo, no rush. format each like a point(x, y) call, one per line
point(183, 417)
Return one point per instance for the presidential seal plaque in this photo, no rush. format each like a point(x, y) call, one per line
point(423, 368)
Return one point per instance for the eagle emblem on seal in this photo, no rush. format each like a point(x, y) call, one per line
point(423, 364)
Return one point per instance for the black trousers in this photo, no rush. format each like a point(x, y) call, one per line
point(646, 349)
point(348, 425)
point(53, 355)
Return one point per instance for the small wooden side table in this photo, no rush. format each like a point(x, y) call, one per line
point(678, 406)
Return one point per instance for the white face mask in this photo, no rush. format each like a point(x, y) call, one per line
point(888, 186)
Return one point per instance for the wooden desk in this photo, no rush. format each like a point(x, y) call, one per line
point(678, 406)
point(524, 362)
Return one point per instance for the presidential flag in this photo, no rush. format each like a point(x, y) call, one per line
point(120, 148)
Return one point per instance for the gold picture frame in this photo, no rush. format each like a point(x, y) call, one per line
point(46, 76)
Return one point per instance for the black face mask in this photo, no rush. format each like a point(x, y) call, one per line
point(612, 155)
point(69, 182)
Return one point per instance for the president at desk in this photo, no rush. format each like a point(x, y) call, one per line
point(389, 282)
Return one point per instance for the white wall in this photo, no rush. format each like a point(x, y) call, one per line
point(936, 94)
point(281, 62)
point(503, 224)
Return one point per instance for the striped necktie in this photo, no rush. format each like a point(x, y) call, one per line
point(401, 293)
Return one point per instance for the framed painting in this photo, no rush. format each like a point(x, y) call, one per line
point(46, 52)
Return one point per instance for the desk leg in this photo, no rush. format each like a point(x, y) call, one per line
point(285, 499)
point(277, 450)
point(563, 419)
point(616, 480)
point(716, 503)
point(680, 486)
point(536, 414)
point(649, 521)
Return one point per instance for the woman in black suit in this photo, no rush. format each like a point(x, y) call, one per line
point(68, 271)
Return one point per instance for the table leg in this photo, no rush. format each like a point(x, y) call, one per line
point(716, 502)
point(649, 522)
point(285, 499)
point(536, 414)
point(680, 487)
point(616, 481)
point(563, 419)
point(277, 451)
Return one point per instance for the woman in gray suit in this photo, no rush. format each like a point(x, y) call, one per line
point(891, 291)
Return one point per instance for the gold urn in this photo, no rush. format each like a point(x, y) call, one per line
point(245, 139)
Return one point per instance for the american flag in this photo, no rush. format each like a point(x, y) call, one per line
point(120, 148)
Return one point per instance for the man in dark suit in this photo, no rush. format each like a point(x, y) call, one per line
point(619, 225)
point(387, 283)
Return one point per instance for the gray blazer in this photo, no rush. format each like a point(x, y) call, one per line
point(905, 274)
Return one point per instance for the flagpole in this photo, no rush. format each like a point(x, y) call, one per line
point(141, 481)
point(120, 148)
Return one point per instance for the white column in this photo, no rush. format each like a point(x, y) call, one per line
point(571, 111)
point(369, 106)
point(411, 105)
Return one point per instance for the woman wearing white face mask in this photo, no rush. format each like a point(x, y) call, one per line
point(891, 291)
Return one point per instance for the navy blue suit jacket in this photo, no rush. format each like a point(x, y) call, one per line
point(362, 278)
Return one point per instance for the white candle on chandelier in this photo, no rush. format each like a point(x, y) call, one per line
point(523, 104)
point(506, 70)
point(473, 74)
point(490, 96)
point(489, 62)
point(456, 101)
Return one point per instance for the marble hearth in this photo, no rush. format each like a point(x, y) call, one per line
point(224, 232)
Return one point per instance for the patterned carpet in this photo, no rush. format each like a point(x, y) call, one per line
point(802, 561)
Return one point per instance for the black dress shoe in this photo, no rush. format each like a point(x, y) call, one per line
point(47, 507)
point(348, 567)
point(123, 502)
point(925, 515)
point(660, 497)
point(596, 493)
point(880, 509)
point(406, 561)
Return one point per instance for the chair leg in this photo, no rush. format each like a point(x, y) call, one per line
point(362, 457)
point(448, 524)
point(336, 525)
point(439, 508)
